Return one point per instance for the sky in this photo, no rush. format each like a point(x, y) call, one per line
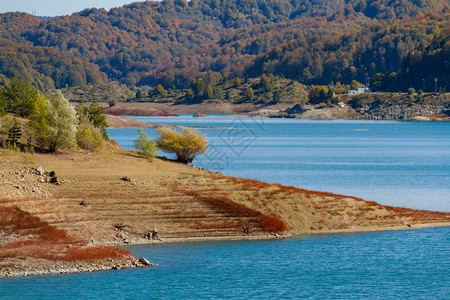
point(57, 7)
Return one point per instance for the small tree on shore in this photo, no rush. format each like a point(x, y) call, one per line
point(145, 146)
point(186, 144)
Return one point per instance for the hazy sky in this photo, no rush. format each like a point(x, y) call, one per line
point(57, 7)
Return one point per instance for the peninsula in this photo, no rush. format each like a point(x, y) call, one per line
point(105, 199)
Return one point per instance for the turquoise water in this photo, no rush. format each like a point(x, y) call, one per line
point(411, 264)
point(397, 163)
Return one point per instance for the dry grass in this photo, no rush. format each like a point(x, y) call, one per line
point(233, 209)
point(31, 237)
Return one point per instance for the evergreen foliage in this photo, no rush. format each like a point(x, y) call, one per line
point(145, 146)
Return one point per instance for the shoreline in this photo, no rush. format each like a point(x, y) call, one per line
point(94, 205)
point(91, 267)
point(343, 111)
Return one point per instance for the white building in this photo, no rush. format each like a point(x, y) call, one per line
point(361, 90)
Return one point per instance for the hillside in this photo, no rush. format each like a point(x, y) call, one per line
point(113, 197)
point(172, 42)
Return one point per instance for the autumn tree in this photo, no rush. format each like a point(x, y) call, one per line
point(320, 94)
point(249, 94)
point(186, 145)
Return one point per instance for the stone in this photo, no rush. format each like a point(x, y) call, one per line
point(296, 109)
point(145, 262)
point(40, 171)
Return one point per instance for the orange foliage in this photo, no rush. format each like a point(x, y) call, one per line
point(234, 209)
point(38, 239)
point(95, 253)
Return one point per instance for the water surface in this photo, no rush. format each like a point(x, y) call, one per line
point(410, 264)
point(395, 163)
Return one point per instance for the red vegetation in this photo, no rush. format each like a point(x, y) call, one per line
point(151, 112)
point(234, 209)
point(32, 237)
point(419, 215)
point(95, 253)
point(272, 223)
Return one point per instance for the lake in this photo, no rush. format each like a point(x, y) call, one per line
point(395, 163)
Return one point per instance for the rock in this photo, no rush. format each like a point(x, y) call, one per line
point(199, 115)
point(40, 171)
point(145, 262)
point(296, 109)
point(54, 180)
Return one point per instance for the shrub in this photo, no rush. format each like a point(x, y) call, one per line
point(411, 91)
point(88, 137)
point(146, 146)
point(186, 144)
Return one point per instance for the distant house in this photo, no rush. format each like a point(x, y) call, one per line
point(361, 90)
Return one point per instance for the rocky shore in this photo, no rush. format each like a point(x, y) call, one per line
point(35, 269)
point(374, 111)
point(378, 111)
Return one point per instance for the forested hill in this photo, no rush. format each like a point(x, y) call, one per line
point(173, 41)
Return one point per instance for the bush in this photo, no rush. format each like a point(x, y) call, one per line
point(186, 144)
point(411, 91)
point(88, 137)
point(146, 146)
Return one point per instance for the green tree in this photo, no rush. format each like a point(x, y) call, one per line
point(227, 95)
point(15, 132)
point(2, 105)
point(186, 144)
point(18, 97)
point(94, 113)
point(145, 146)
point(276, 97)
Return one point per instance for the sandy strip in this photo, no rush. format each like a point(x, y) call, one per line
point(120, 122)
